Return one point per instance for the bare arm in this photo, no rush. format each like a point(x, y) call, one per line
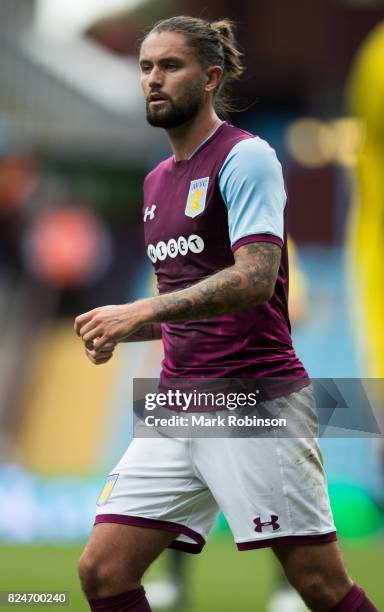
point(248, 282)
point(150, 331)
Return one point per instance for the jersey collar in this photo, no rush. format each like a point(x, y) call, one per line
point(201, 145)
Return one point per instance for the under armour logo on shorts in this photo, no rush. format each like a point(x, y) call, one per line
point(273, 522)
point(149, 212)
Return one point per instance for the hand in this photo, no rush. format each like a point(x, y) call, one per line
point(101, 356)
point(106, 324)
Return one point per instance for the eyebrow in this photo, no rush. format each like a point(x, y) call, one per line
point(168, 58)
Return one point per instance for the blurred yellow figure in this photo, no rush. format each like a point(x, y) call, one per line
point(298, 289)
point(366, 228)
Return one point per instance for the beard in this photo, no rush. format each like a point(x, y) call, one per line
point(171, 114)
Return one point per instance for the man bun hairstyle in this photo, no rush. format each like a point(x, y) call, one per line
point(232, 55)
point(215, 45)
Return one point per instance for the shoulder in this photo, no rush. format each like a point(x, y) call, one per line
point(251, 156)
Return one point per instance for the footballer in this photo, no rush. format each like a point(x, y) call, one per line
point(214, 218)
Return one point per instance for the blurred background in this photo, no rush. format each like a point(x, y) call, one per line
point(74, 149)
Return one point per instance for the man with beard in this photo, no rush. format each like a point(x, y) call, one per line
point(214, 219)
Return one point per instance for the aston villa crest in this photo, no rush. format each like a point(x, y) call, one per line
point(196, 197)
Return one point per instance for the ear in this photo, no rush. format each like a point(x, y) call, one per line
point(213, 77)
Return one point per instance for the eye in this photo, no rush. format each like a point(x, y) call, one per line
point(171, 66)
point(146, 68)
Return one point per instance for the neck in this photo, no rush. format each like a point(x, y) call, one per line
point(186, 138)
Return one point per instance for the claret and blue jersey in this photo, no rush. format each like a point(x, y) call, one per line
point(197, 212)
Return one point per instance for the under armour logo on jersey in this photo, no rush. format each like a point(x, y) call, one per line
point(273, 522)
point(149, 213)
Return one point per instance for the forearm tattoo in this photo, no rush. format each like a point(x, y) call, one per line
point(250, 281)
point(150, 331)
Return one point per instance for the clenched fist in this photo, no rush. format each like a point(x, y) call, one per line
point(101, 356)
point(106, 326)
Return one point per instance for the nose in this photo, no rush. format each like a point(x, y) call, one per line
point(154, 77)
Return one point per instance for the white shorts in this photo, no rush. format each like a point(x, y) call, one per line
point(270, 489)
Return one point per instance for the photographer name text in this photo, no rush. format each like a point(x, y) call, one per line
point(194, 420)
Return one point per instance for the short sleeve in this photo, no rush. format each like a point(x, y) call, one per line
point(252, 186)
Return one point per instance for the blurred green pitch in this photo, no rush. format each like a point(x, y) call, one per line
point(221, 579)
